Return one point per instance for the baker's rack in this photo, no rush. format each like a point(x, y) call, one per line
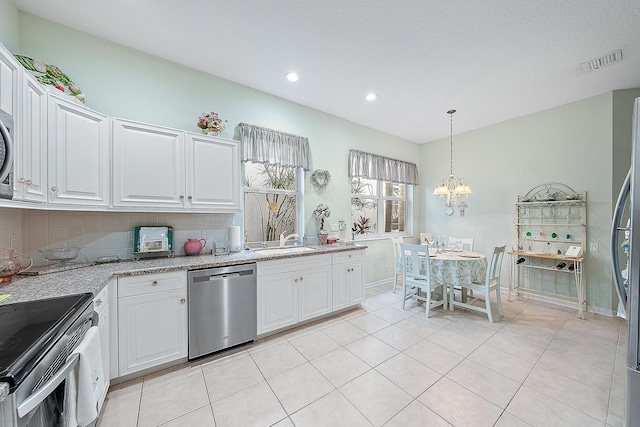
point(550, 242)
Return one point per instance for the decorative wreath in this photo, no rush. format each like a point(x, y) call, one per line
point(320, 179)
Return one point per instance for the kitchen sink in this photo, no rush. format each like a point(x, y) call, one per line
point(284, 251)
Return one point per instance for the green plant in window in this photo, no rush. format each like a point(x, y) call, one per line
point(277, 213)
point(362, 226)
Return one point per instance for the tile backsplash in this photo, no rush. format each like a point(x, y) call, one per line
point(102, 233)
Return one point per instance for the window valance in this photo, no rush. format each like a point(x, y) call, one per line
point(372, 166)
point(262, 145)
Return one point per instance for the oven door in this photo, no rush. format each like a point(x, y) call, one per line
point(39, 400)
point(6, 156)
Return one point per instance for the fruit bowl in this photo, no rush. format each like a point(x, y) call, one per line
point(60, 255)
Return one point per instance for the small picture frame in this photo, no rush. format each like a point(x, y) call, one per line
point(574, 252)
point(425, 238)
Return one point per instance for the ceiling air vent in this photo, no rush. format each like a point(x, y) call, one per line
point(603, 61)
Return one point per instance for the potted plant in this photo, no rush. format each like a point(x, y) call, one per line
point(321, 212)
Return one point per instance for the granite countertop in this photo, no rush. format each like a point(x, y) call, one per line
point(95, 277)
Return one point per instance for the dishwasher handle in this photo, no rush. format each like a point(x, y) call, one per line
point(215, 277)
point(222, 276)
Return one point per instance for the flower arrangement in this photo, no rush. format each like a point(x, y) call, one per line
point(321, 212)
point(211, 123)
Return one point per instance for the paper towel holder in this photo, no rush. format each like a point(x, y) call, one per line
point(233, 237)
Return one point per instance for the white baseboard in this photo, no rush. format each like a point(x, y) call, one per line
point(379, 282)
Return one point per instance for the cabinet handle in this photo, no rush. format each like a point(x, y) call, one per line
point(189, 197)
point(98, 302)
point(182, 301)
point(28, 182)
point(154, 283)
point(54, 189)
point(301, 279)
point(296, 280)
point(181, 197)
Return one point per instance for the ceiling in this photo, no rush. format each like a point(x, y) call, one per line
point(491, 60)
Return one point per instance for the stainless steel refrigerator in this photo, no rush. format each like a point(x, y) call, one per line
point(625, 258)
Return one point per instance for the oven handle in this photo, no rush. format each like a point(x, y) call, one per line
point(31, 402)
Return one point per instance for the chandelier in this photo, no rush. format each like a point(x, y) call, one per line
point(451, 188)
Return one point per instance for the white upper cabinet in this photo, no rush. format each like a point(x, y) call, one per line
point(9, 68)
point(30, 173)
point(213, 173)
point(162, 168)
point(148, 166)
point(78, 154)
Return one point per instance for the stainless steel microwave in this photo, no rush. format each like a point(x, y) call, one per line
point(6, 156)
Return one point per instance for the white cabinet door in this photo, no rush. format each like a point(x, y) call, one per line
point(9, 69)
point(213, 173)
point(152, 329)
point(148, 166)
point(348, 279)
point(315, 293)
point(78, 154)
point(30, 177)
point(341, 288)
point(357, 282)
point(277, 301)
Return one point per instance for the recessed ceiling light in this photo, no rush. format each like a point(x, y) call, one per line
point(371, 96)
point(292, 77)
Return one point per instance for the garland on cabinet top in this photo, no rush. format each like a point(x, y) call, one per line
point(50, 75)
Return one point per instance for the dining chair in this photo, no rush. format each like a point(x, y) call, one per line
point(467, 243)
point(491, 283)
point(416, 282)
point(397, 250)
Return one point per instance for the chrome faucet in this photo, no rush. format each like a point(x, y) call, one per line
point(284, 239)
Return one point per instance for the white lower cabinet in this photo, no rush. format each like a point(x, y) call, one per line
point(296, 289)
point(293, 289)
point(348, 278)
point(314, 293)
point(277, 301)
point(152, 320)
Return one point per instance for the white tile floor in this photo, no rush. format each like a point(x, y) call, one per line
point(378, 365)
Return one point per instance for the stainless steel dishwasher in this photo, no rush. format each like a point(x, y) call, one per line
point(222, 308)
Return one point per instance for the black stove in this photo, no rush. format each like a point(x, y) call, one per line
point(29, 329)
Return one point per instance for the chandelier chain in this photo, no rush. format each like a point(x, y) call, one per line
point(451, 141)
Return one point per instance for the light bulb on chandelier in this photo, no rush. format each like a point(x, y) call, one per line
point(451, 188)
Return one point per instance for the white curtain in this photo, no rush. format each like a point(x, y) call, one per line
point(262, 145)
point(372, 166)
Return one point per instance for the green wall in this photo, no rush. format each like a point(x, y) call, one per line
point(9, 24)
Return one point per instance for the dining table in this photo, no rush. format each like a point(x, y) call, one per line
point(457, 268)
